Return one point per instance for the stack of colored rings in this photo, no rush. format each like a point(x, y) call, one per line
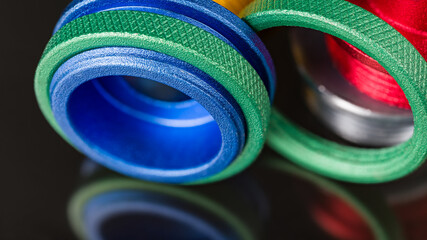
point(379, 40)
point(98, 82)
point(180, 91)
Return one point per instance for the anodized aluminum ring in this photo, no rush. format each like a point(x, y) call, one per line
point(195, 47)
point(348, 112)
point(382, 42)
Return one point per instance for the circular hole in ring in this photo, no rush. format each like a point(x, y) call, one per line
point(99, 119)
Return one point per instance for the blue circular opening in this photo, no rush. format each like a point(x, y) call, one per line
point(107, 125)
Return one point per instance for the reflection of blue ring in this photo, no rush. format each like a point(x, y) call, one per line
point(211, 17)
point(81, 112)
point(111, 204)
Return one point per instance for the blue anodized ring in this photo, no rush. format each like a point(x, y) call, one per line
point(205, 14)
point(148, 133)
point(147, 143)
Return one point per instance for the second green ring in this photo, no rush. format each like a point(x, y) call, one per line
point(386, 45)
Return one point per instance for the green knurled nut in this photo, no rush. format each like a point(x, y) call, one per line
point(77, 203)
point(370, 206)
point(382, 42)
point(172, 37)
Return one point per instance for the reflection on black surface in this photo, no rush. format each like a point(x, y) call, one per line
point(334, 210)
point(109, 206)
point(137, 214)
point(408, 200)
point(339, 219)
point(405, 200)
point(273, 200)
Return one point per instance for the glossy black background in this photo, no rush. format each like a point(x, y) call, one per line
point(40, 171)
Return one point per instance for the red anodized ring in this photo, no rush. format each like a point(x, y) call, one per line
point(409, 17)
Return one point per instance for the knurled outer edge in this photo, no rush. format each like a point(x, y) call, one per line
point(84, 194)
point(371, 207)
point(380, 41)
point(172, 37)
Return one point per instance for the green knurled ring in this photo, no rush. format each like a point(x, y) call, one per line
point(172, 37)
point(382, 42)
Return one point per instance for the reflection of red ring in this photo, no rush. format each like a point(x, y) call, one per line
point(410, 19)
point(413, 216)
point(339, 219)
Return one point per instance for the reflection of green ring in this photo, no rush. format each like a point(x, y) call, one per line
point(373, 210)
point(382, 42)
point(181, 40)
point(79, 199)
